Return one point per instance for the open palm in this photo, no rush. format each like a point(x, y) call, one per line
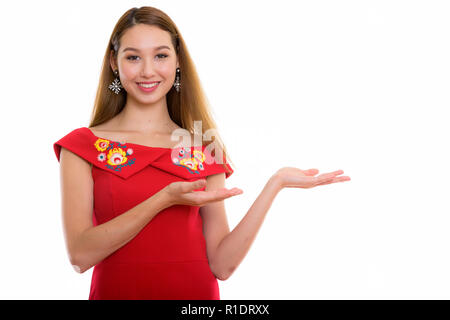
point(291, 177)
point(186, 193)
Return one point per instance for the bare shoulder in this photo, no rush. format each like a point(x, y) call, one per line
point(105, 131)
point(109, 130)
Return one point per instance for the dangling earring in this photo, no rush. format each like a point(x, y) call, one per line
point(177, 84)
point(116, 85)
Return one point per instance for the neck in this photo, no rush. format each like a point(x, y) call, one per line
point(145, 118)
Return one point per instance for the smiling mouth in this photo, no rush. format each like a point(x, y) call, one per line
point(148, 85)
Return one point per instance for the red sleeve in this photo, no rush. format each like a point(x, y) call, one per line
point(193, 163)
point(219, 166)
point(74, 142)
point(121, 160)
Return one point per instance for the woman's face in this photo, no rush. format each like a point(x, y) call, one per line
point(140, 60)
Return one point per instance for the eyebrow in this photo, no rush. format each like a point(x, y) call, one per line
point(134, 49)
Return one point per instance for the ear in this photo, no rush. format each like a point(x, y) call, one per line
point(112, 61)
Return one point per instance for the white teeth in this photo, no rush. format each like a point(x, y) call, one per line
point(148, 85)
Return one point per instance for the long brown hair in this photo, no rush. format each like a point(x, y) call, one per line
point(184, 107)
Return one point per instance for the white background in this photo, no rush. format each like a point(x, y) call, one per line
point(361, 86)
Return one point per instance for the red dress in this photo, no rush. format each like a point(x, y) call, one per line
point(167, 258)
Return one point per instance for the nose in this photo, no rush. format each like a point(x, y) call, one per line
point(147, 68)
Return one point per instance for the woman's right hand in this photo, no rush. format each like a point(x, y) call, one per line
point(182, 192)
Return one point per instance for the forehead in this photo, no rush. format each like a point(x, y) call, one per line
point(145, 37)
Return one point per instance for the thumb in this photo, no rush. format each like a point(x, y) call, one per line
point(198, 184)
point(311, 172)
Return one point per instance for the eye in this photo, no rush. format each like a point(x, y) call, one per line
point(160, 56)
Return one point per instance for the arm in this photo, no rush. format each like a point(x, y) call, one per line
point(228, 252)
point(227, 249)
point(96, 243)
point(87, 245)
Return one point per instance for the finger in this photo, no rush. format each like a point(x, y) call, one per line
point(324, 178)
point(223, 193)
point(226, 193)
point(337, 172)
point(330, 175)
point(236, 191)
point(337, 179)
point(193, 185)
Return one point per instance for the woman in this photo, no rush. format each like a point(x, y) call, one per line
point(148, 215)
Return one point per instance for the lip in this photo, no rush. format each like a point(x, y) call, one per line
point(148, 89)
point(148, 82)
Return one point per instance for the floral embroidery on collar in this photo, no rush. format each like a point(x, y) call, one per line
point(114, 153)
point(192, 163)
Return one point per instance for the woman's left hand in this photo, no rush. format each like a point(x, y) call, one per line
point(290, 177)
